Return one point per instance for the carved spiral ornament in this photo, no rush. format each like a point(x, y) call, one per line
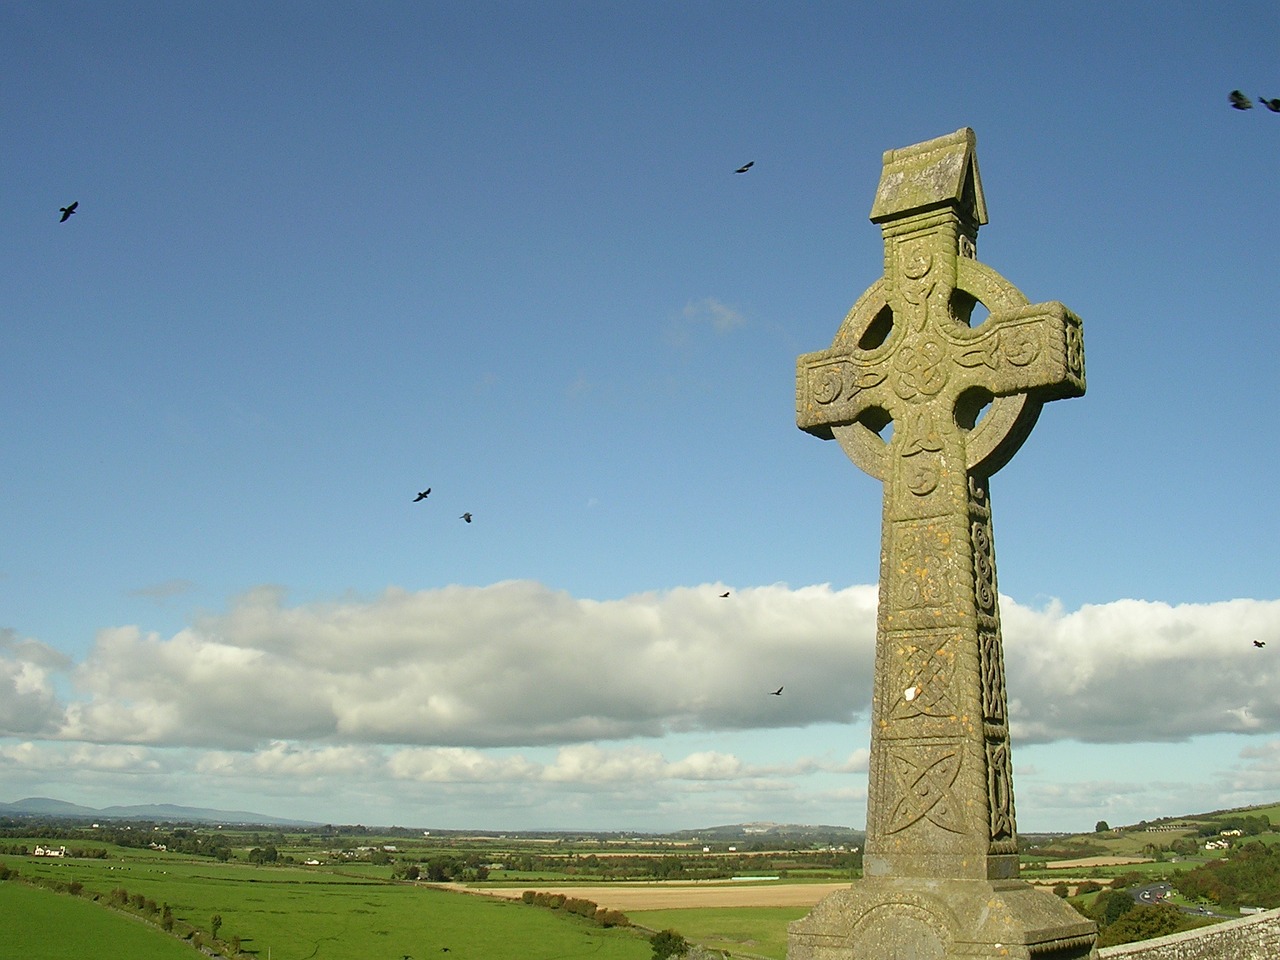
point(826, 384)
point(984, 569)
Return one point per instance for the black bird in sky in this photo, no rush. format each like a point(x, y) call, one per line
point(68, 211)
point(466, 517)
point(776, 693)
point(745, 167)
point(423, 495)
point(1273, 104)
point(1240, 101)
point(1259, 643)
point(725, 594)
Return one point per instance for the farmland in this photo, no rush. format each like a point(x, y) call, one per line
point(342, 894)
point(42, 925)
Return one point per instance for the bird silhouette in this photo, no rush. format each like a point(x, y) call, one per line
point(1273, 104)
point(776, 693)
point(466, 517)
point(745, 167)
point(423, 495)
point(723, 595)
point(68, 211)
point(1259, 643)
point(1239, 100)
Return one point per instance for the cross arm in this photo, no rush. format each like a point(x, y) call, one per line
point(1036, 349)
point(834, 387)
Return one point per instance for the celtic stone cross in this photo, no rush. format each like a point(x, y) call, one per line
point(932, 406)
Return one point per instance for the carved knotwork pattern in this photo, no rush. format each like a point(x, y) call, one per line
point(925, 676)
point(921, 369)
point(921, 556)
point(1000, 790)
point(1075, 347)
point(984, 552)
point(992, 663)
point(924, 775)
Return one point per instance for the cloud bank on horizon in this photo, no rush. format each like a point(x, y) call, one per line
point(517, 664)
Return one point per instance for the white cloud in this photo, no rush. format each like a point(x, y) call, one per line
point(287, 760)
point(1134, 671)
point(28, 704)
point(513, 664)
point(79, 757)
point(517, 664)
point(721, 317)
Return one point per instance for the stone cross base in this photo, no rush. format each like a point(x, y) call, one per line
point(907, 918)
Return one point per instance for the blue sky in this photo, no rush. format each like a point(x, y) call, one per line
point(327, 255)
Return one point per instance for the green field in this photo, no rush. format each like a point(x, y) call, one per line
point(294, 914)
point(356, 903)
point(43, 925)
point(759, 931)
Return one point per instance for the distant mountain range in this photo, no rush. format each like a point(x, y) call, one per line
point(735, 831)
point(47, 807)
point(172, 813)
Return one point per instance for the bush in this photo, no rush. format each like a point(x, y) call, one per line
point(668, 943)
point(1143, 923)
point(1110, 906)
point(581, 906)
point(527, 896)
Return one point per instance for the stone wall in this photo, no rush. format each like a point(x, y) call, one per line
point(1249, 938)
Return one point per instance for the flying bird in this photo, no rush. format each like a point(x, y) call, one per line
point(1273, 104)
point(745, 167)
point(466, 517)
point(723, 595)
point(423, 495)
point(68, 211)
point(776, 693)
point(1259, 643)
point(1240, 101)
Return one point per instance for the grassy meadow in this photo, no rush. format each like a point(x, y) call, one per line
point(758, 931)
point(296, 914)
point(43, 925)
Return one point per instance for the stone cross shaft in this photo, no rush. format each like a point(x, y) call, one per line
point(932, 406)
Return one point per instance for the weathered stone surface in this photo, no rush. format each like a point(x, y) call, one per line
point(1250, 938)
point(917, 919)
point(941, 856)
